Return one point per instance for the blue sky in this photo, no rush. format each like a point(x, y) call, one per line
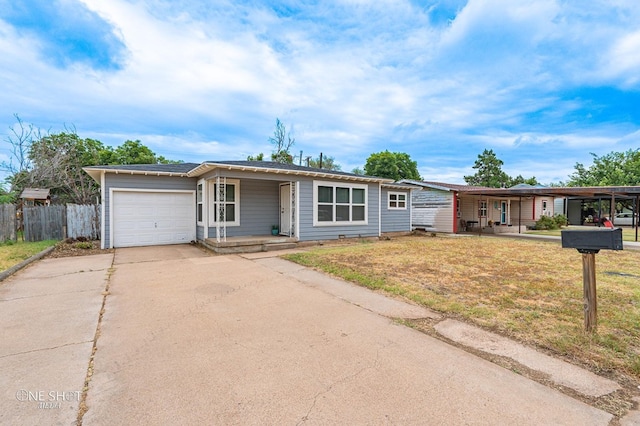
point(543, 82)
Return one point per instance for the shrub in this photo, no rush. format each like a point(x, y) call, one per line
point(546, 222)
point(561, 220)
point(83, 245)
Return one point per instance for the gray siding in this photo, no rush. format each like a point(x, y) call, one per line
point(259, 208)
point(395, 220)
point(308, 232)
point(141, 182)
point(200, 233)
point(432, 210)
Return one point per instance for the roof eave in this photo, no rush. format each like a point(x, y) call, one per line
point(207, 166)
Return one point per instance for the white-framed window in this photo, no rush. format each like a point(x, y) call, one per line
point(200, 202)
point(397, 201)
point(482, 209)
point(231, 202)
point(337, 203)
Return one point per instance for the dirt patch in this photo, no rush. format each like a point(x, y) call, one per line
point(73, 247)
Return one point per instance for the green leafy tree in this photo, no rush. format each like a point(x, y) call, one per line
point(58, 160)
point(613, 169)
point(282, 143)
point(519, 179)
point(132, 152)
point(490, 174)
point(328, 163)
point(258, 157)
point(357, 171)
point(489, 171)
point(392, 165)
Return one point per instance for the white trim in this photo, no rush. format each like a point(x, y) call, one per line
point(334, 185)
point(103, 188)
point(397, 201)
point(297, 224)
point(379, 210)
point(112, 190)
point(211, 184)
point(202, 182)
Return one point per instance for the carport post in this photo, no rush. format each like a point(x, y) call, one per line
point(634, 217)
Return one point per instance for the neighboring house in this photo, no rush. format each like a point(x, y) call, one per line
point(213, 201)
point(451, 208)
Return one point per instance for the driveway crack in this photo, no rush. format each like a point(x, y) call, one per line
point(45, 349)
point(344, 379)
point(82, 406)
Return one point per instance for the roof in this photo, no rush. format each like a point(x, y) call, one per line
point(274, 167)
point(442, 186)
point(196, 170)
point(524, 190)
point(35, 194)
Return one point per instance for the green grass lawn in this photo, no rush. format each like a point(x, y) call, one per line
point(628, 233)
point(13, 253)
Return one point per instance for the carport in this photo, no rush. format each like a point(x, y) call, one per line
point(630, 194)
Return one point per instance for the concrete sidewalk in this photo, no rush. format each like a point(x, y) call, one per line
point(48, 315)
point(229, 340)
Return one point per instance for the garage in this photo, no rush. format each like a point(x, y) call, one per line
point(146, 218)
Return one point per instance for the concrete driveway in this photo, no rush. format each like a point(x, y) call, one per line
point(189, 338)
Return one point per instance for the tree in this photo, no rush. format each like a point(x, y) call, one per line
point(20, 139)
point(613, 169)
point(489, 171)
point(328, 163)
point(519, 179)
point(357, 171)
point(132, 152)
point(58, 160)
point(258, 157)
point(282, 143)
point(392, 165)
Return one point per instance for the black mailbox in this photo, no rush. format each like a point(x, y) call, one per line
point(592, 240)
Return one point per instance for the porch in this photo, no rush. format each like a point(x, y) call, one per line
point(250, 244)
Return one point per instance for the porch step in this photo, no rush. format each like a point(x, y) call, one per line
point(250, 244)
point(279, 246)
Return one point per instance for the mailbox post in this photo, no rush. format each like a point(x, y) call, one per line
point(588, 243)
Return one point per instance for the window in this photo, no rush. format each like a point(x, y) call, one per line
point(231, 202)
point(544, 205)
point(458, 211)
point(199, 202)
point(482, 209)
point(336, 203)
point(397, 201)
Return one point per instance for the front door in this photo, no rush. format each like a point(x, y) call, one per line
point(285, 209)
point(504, 213)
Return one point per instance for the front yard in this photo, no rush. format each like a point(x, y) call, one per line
point(13, 253)
point(528, 290)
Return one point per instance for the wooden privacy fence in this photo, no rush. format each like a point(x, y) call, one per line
point(7, 222)
point(59, 222)
point(44, 222)
point(83, 220)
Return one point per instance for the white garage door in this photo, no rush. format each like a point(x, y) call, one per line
point(152, 218)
